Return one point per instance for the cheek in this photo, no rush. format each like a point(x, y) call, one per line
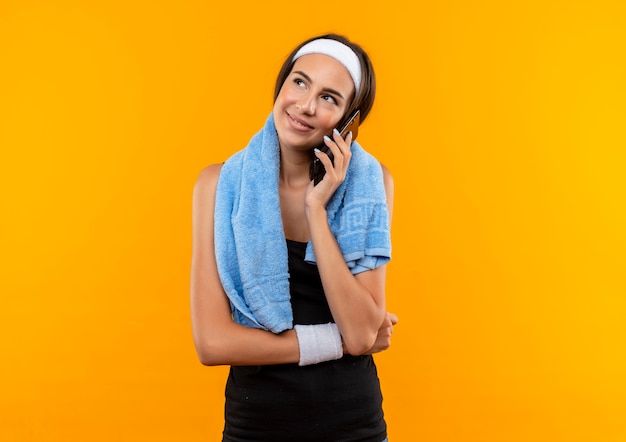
point(331, 120)
point(330, 123)
point(287, 94)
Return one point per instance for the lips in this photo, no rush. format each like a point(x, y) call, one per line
point(298, 124)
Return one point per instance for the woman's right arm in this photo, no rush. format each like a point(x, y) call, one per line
point(218, 339)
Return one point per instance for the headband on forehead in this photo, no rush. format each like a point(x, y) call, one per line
point(337, 50)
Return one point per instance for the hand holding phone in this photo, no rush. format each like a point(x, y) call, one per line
point(318, 170)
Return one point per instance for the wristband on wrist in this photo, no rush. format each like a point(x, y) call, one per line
point(318, 343)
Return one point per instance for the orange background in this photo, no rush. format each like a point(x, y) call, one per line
point(502, 122)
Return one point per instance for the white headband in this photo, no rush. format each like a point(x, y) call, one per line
point(337, 50)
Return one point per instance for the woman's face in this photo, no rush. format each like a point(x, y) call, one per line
point(311, 101)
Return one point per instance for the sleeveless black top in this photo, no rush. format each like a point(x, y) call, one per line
point(335, 401)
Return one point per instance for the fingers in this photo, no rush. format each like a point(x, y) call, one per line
point(342, 144)
point(390, 321)
point(393, 318)
point(383, 338)
point(340, 149)
point(324, 158)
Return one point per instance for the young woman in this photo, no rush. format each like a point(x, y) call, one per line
point(288, 277)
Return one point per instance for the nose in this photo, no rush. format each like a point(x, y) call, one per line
point(306, 104)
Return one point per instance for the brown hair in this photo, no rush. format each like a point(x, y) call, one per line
point(364, 99)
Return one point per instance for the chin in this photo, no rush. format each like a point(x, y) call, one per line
point(295, 143)
point(288, 137)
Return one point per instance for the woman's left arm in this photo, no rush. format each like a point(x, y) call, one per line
point(357, 302)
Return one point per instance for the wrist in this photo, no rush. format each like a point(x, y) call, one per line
point(319, 343)
point(315, 212)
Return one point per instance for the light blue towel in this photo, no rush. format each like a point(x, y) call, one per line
point(250, 242)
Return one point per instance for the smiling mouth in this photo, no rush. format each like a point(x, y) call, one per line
point(298, 122)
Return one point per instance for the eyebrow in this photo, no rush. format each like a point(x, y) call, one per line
point(326, 89)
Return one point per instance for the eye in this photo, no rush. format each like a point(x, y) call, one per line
point(329, 98)
point(299, 82)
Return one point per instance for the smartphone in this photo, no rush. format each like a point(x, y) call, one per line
point(351, 124)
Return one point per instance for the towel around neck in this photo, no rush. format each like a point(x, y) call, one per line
point(250, 244)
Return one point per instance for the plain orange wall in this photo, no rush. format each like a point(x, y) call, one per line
point(502, 122)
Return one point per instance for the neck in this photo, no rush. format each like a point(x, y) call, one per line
point(294, 168)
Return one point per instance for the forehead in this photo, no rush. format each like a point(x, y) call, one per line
point(326, 72)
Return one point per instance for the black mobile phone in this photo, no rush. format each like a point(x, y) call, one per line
point(317, 168)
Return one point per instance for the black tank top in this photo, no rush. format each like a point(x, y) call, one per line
point(335, 401)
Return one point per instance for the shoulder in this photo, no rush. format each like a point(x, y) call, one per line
point(387, 177)
point(207, 178)
point(209, 174)
point(389, 190)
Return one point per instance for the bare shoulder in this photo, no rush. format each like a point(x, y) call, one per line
point(387, 177)
point(388, 182)
point(207, 178)
point(210, 173)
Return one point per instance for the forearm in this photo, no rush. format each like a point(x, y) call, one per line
point(235, 344)
point(221, 341)
point(357, 309)
point(218, 339)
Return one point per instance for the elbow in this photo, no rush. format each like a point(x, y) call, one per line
point(359, 345)
point(210, 356)
point(207, 359)
point(362, 338)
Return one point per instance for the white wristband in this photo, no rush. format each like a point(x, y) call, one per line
point(318, 343)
